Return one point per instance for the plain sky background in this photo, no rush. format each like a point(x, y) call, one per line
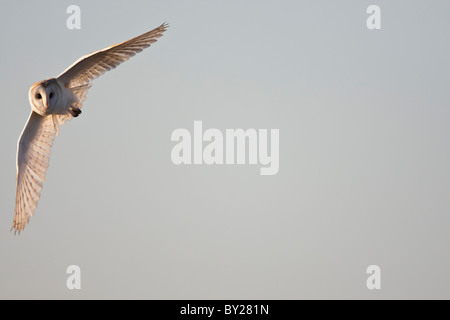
point(364, 152)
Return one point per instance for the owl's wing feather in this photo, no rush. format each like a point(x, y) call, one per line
point(33, 155)
point(93, 65)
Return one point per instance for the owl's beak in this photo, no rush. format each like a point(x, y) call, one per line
point(45, 101)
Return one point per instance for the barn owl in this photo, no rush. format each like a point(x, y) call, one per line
point(53, 102)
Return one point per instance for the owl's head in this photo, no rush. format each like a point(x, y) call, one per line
point(44, 96)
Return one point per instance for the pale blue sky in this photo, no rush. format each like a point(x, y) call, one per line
point(364, 170)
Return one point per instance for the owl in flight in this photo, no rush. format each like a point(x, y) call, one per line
point(53, 102)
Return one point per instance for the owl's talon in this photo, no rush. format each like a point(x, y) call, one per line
point(74, 111)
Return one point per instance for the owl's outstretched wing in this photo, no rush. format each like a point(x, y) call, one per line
point(93, 65)
point(33, 155)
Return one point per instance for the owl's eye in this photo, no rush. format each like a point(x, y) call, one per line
point(51, 95)
point(38, 96)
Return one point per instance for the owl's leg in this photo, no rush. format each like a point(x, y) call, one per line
point(74, 111)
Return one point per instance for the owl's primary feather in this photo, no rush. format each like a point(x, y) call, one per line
point(53, 102)
point(33, 155)
point(95, 64)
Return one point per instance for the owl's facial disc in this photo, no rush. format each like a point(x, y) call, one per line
point(43, 97)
